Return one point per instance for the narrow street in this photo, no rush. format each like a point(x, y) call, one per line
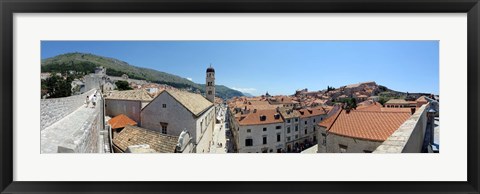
point(219, 139)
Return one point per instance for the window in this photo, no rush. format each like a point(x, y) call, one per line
point(314, 128)
point(306, 131)
point(209, 92)
point(288, 120)
point(343, 148)
point(288, 129)
point(288, 138)
point(296, 136)
point(249, 130)
point(314, 120)
point(264, 140)
point(305, 122)
point(264, 129)
point(164, 105)
point(248, 142)
point(324, 139)
point(278, 127)
point(278, 137)
point(296, 119)
point(164, 127)
point(296, 127)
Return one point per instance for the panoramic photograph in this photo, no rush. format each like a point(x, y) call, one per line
point(304, 97)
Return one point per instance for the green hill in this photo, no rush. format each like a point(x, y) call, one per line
point(84, 63)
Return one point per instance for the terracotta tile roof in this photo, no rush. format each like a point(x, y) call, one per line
point(120, 121)
point(368, 125)
point(379, 108)
point(288, 113)
point(329, 120)
point(132, 135)
point(364, 104)
point(422, 99)
point(400, 101)
point(309, 112)
point(283, 100)
point(195, 103)
point(253, 118)
point(141, 95)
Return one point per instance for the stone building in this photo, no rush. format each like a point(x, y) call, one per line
point(400, 103)
point(254, 122)
point(260, 131)
point(292, 127)
point(309, 118)
point(359, 131)
point(128, 102)
point(109, 86)
point(174, 111)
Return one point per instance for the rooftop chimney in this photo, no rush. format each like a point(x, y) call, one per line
point(263, 117)
point(254, 110)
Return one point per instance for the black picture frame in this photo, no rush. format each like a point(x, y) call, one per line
point(9, 7)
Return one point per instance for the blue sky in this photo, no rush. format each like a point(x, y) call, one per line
point(279, 67)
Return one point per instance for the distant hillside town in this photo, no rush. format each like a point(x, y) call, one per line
point(117, 114)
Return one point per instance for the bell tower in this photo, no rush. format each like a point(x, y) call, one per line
point(210, 85)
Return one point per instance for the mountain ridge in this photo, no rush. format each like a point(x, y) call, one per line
point(83, 62)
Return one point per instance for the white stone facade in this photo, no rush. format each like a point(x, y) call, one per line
point(165, 111)
point(257, 133)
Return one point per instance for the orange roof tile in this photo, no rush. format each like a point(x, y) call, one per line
point(309, 112)
point(421, 99)
point(329, 120)
point(120, 121)
point(368, 125)
point(379, 108)
point(253, 118)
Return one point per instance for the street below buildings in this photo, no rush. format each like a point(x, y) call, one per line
point(219, 140)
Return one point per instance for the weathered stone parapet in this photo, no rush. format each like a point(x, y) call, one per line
point(408, 138)
point(78, 132)
point(54, 109)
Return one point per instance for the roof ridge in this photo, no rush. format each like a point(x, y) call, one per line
point(372, 111)
point(337, 115)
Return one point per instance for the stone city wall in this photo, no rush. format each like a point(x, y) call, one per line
point(408, 138)
point(87, 139)
point(54, 109)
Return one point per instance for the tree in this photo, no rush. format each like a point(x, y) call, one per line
point(382, 100)
point(330, 88)
point(350, 103)
point(122, 85)
point(58, 86)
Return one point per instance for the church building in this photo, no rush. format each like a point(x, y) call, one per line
point(173, 112)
